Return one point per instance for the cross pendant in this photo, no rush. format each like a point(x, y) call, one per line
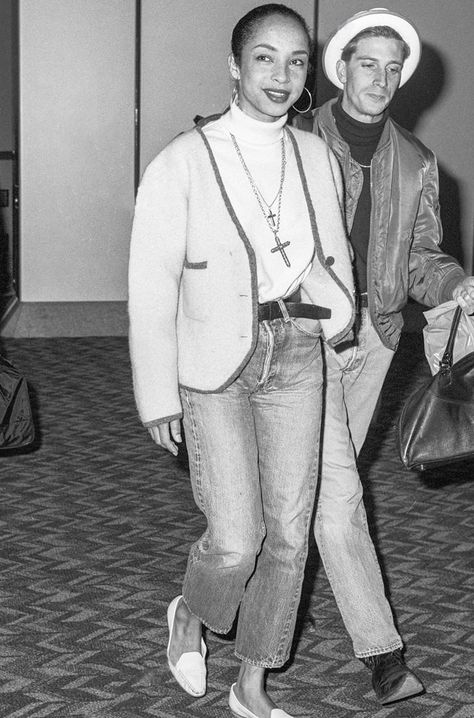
point(271, 216)
point(280, 247)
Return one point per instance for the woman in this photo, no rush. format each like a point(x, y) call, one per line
point(237, 221)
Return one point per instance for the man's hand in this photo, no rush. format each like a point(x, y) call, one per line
point(463, 294)
point(166, 434)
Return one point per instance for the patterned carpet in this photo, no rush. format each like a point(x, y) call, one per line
point(95, 526)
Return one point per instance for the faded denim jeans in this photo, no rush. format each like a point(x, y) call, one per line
point(354, 378)
point(253, 453)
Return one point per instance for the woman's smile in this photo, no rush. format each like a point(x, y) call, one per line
point(277, 95)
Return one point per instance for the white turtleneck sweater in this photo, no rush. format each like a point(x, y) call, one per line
point(260, 145)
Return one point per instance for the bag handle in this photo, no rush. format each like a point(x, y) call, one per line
point(447, 360)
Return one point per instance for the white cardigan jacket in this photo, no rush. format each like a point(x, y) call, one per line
point(192, 274)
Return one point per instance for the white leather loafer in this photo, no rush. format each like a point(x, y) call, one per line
point(190, 669)
point(242, 712)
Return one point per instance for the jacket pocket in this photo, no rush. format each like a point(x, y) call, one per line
point(195, 265)
point(196, 291)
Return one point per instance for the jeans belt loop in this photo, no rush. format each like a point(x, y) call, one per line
point(284, 311)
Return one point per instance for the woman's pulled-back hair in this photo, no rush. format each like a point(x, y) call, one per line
point(376, 31)
point(247, 24)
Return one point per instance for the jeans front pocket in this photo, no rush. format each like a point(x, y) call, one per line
point(310, 327)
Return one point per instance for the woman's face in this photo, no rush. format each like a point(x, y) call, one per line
point(273, 68)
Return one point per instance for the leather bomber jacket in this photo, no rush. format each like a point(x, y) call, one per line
point(404, 259)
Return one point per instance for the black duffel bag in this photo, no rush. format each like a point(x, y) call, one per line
point(16, 420)
point(436, 425)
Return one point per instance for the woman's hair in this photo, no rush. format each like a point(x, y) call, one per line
point(375, 31)
point(249, 22)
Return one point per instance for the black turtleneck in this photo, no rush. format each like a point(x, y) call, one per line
point(362, 138)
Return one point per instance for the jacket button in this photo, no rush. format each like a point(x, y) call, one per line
point(329, 261)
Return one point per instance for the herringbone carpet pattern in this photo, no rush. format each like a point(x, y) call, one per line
point(95, 526)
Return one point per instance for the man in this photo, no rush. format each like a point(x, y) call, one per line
point(391, 198)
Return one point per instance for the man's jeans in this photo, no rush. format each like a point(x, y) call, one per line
point(355, 376)
point(254, 461)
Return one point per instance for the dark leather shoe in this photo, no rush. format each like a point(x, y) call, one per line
point(392, 680)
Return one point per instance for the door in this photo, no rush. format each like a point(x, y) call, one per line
point(9, 181)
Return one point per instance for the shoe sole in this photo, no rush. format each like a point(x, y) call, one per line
point(410, 687)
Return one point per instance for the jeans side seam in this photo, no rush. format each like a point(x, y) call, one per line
point(196, 449)
point(194, 554)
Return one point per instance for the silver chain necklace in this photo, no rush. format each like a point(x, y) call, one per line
point(268, 205)
point(271, 216)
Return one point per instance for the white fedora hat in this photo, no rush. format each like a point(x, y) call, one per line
point(361, 21)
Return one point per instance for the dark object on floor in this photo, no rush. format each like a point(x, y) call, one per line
point(436, 422)
point(392, 680)
point(16, 421)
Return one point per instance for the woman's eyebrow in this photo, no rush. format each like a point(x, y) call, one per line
point(266, 46)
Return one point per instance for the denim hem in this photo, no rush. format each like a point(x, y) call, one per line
point(277, 663)
point(378, 651)
point(206, 623)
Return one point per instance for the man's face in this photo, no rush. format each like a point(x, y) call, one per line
point(371, 77)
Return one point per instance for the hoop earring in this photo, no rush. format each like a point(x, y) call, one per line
point(310, 102)
point(235, 96)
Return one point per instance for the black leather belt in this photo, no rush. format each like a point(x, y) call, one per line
point(271, 310)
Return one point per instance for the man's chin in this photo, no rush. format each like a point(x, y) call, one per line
point(375, 110)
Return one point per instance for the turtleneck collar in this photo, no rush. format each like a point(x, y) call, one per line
point(253, 131)
point(362, 137)
point(360, 130)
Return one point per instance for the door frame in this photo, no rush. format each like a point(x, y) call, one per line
point(7, 302)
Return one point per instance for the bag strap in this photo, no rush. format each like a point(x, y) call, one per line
point(447, 360)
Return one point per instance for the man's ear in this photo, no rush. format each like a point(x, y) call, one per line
point(233, 67)
point(341, 71)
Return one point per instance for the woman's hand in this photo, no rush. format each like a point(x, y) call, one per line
point(166, 435)
point(463, 294)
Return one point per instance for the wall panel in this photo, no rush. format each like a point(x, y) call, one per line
point(77, 148)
